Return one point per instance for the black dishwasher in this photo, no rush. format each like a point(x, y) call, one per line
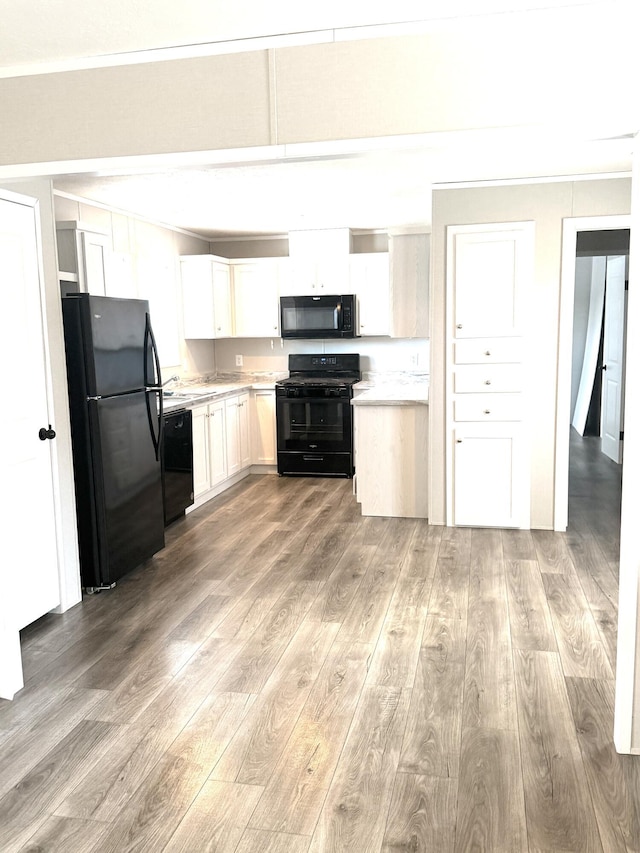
point(177, 464)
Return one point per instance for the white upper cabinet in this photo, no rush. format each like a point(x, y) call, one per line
point(369, 280)
point(318, 263)
point(84, 252)
point(409, 283)
point(206, 297)
point(329, 276)
point(255, 286)
point(490, 267)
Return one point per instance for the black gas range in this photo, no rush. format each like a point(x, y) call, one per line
point(313, 415)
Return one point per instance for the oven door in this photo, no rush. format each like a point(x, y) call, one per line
point(315, 420)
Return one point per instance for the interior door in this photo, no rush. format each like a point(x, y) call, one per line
point(29, 580)
point(613, 359)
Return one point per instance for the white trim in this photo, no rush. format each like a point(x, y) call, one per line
point(570, 228)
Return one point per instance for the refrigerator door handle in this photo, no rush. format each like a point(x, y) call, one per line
point(156, 387)
point(149, 338)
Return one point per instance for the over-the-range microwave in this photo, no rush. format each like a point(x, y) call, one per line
point(318, 316)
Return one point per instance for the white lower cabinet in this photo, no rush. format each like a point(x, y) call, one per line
point(237, 424)
point(209, 447)
point(391, 459)
point(490, 475)
point(263, 422)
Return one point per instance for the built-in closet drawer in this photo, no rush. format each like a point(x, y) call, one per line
point(488, 350)
point(492, 378)
point(488, 407)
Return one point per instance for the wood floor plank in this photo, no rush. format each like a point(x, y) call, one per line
point(617, 809)
point(491, 815)
point(355, 810)
point(209, 732)
point(396, 654)
point(431, 744)
point(46, 784)
point(67, 835)
point(261, 841)
point(581, 650)
point(23, 751)
point(422, 815)
point(363, 621)
point(489, 690)
point(155, 810)
point(296, 791)
point(560, 814)
point(262, 651)
point(529, 615)
point(216, 819)
point(253, 753)
point(105, 791)
point(518, 545)
point(450, 588)
point(422, 554)
point(551, 552)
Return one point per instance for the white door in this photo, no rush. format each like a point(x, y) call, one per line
point(490, 266)
point(613, 359)
point(490, 482)
point(29, 581)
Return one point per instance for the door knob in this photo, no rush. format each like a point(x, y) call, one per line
point(604, 366)
point(45, 434)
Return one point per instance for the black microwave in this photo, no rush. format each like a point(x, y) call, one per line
point(318, 316)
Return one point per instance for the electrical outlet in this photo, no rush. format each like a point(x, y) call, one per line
point(415, 359)
point(239, 361)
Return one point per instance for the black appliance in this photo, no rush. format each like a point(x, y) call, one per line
point(115, 398)
point(313, 415)
point(177, 464)
point(318, 316)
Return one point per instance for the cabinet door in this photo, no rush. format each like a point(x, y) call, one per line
point(94, 261)
point(490, 267)
point(409, 284)
point(197, 297)
point(369, 280)
point(244, 431)
point(221, 278)
point(201, 458)
point(255, 297)
point(263, 428)
point(217, 443)
point(232, 413)
point(490, 482)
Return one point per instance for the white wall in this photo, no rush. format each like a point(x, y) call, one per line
point(546, 205)
point(378, 355)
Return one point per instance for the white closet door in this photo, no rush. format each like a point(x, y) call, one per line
point(613, 359)
point(592, 345)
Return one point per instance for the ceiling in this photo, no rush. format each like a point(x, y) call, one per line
point(366, 185)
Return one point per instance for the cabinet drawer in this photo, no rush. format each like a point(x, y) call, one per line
point(492, 378)
point(488, 350)
point(488, 407)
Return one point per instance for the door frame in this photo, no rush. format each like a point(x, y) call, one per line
point(570, 228)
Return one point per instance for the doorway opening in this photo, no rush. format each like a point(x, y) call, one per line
point(590, 407)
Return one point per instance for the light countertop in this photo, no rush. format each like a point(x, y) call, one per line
point(199, 393)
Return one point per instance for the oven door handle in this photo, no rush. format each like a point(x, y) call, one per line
point(313, 458)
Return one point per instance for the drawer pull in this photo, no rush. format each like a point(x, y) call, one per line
point(487, 411)
point(458, 441)
point(487, 352)
point(459, 326)
point(487, 382)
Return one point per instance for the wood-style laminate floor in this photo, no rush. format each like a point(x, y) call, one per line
point(287, 676)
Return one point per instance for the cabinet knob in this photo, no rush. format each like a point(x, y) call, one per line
point(458, 441)
point(488, 352)
point(459, 326)
point(487, 382)
point(487, 411)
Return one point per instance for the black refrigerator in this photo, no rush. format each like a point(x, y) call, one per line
point(115, 399)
